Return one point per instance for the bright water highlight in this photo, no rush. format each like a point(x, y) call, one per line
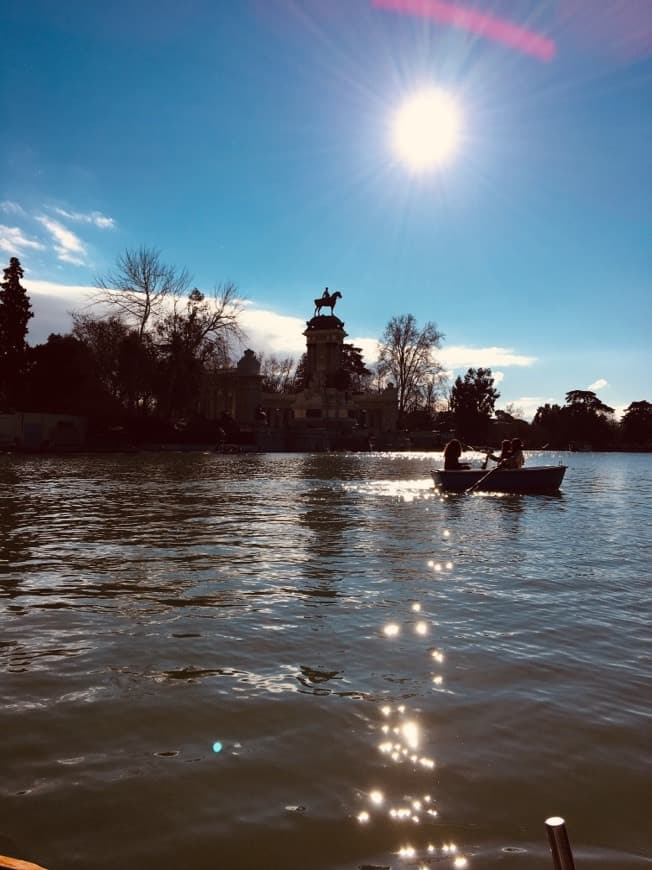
point(396, 678)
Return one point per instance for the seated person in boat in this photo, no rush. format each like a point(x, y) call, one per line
point(452, 453)
point(505, 453)
point(516, 459)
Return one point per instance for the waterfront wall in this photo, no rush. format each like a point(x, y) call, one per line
point(34, 431)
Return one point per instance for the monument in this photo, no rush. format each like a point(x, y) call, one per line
point(326, 414)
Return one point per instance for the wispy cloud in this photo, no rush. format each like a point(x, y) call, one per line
point(68, 247)
point(462, 357)
point(598, 385)
point(94, 217)
point(9, 207)
point(14, 241)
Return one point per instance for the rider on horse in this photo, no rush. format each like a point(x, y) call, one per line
point(327, 300)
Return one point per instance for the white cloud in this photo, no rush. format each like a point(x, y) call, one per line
point(268, 332)
point(78, 293)
point(598, 385)
point(52, 304)
point(271, 333)
point(95, 217)
point(369, 348)
point(13, 241)
point(462, 357)
point(529, 405)
point(70, 247)
point(10, 207)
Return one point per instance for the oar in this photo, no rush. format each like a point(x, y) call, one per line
point(560, 847)
point(479, 450)
point(17, 864)
point(482, 479)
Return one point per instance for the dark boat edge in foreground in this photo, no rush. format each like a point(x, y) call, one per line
point(542, 478)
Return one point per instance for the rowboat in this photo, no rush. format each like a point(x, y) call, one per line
point(537, 478)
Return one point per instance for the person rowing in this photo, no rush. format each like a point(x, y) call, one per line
point(511, 455)
point(516, 459)
point(503, 456)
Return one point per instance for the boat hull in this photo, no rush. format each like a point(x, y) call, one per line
point(542, 478)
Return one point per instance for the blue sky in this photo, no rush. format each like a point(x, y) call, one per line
point(252, 141)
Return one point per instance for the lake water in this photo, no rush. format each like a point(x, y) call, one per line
point(314, 661)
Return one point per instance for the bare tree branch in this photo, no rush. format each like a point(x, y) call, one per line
point(407, 355)
point(138, 285)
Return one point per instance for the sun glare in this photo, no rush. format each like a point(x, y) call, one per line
point(427, 129)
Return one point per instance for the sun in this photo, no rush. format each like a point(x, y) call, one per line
point(426, 129)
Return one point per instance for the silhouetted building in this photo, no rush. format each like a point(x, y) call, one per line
point(323, 416)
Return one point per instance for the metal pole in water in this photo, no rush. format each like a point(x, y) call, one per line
point(559, 844)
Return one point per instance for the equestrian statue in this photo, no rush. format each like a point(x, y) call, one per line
point(326, 300)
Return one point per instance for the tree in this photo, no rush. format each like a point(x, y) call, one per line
point(636, 423)
point(15, 312)
point(585, 400)
point(550, 426)
point(277, 374)
point(206, 327)
point(154, 345)
point(589, 419)
point(355, 374)
point(191, 338)
point(62, 377)
point(125, 362)
point(406, 355)
point(138, 374)
point(138, 285)
point(472, 402)
point(104, 339)
point(513, 411)
point(300, 380)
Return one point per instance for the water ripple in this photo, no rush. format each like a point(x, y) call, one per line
point(157, 606)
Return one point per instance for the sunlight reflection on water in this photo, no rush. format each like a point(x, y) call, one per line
point(302, 608)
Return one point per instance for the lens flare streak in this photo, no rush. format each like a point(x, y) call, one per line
point(474, 21)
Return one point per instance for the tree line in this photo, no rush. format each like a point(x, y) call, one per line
point(135, 359)
point(138, 358)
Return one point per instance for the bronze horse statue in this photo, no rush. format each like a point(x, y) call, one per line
point(327, 301)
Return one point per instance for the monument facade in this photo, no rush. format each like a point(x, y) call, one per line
point(324, 415)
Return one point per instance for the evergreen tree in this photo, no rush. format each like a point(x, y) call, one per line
point(301, 374)
point(585, 400)
point(551, 426)
point(15, 312)
point(472, 403)
point(62, 378)
point(637, 423)
point(589, 419)
point(354, 373)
